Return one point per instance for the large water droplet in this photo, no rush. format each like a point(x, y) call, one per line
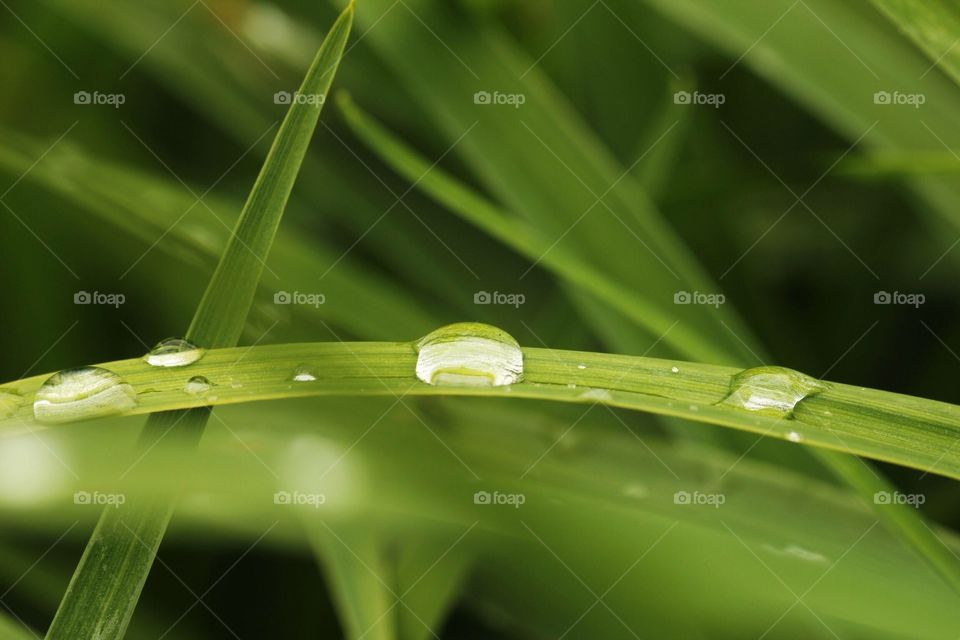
point(304, 373)
point(469, 354)
point(78, 394)
point(773, 391)
point(10, 401)
point(197, 385)
point(173, 352)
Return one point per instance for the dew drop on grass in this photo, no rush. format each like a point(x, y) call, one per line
point(773, 391)
point(78, 394)
point(10, 401)
point(469, 354)
point(197, 385)
point(674, 369)
point(173, 352)
point(304, 373)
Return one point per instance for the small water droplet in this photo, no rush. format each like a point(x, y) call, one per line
point(10, 401)
point(675, 369)
point(197, 385)
point(793, 436)
point(173, 352)
point(304, 373)
point(773, 391)
point(469, 354)
point(581, 366)
point(78, 394)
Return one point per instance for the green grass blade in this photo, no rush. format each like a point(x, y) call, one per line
point(525, 238)
point(933, 25)
point(355, 565)
point(104, 590)
point(219, 319)
point(905, 430)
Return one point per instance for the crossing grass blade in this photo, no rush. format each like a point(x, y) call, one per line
point(103, 593)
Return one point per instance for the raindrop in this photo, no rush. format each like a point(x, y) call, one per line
point(773, 391)
point(469, 354)
point(173, 352)
point(78, 394)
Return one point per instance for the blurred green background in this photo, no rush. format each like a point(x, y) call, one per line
point(780, 194)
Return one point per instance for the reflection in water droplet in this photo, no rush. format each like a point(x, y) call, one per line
point(773, 391)
point(304, 373)
point(78, 394)
point(10, 401)
point(469, 354)
point(173, 352)
point(197, 385)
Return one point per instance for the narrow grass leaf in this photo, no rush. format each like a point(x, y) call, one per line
point(102, 595)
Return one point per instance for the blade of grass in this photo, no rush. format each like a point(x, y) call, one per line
point(933, 25)
point(102, 595)
point(355, 565)
point(905, 430)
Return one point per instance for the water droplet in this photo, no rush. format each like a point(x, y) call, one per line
point(469, 354)
point(773, 391)
point(675, 369)
point(10, 401)
point(304, 373)
point(581, 366)
point(197, 385)
point(173, 352)
point(793, 436)
point(78, 394)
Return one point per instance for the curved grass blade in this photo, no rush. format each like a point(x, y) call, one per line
point(104, 590)
point(904, 430)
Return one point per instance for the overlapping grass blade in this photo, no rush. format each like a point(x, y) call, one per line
point(103, 593)
point(905, 430)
